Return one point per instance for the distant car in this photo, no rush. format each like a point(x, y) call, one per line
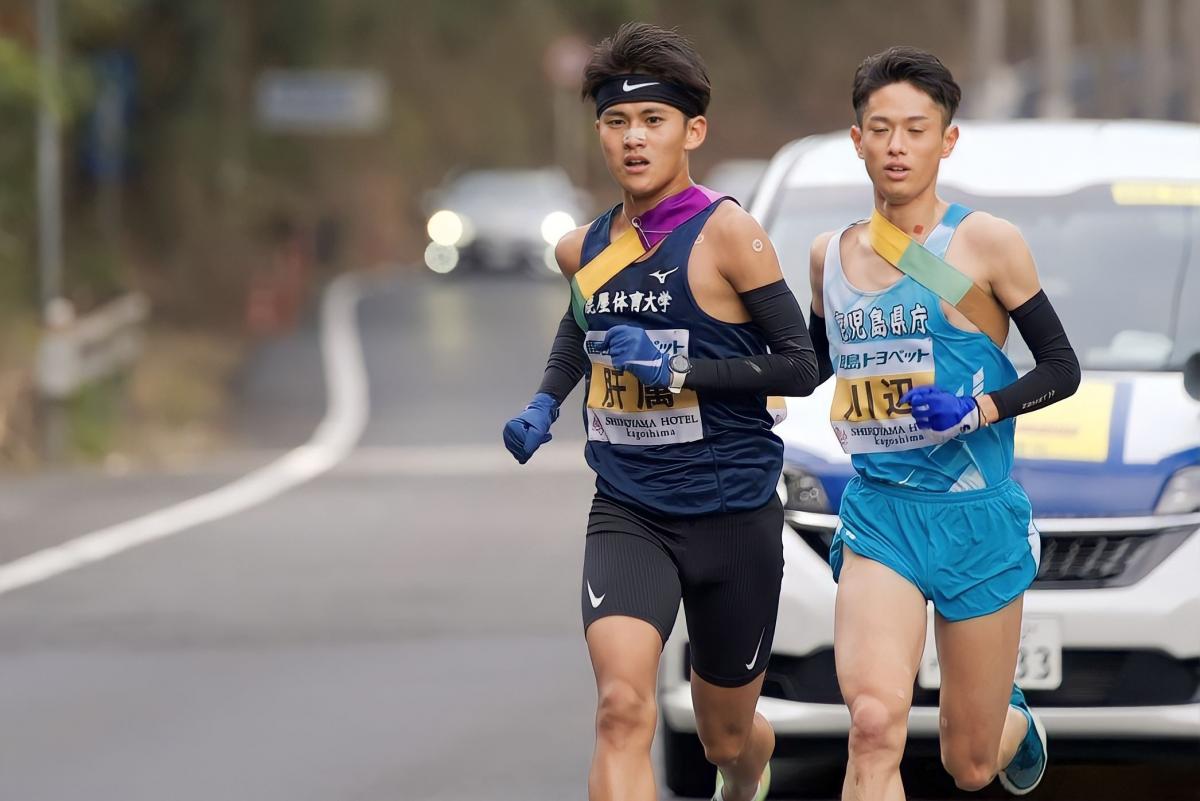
point(736, 177)
point(502, 220)
point(1110, 651)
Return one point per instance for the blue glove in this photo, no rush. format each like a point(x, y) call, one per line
point(529, 430)
point(944, 415)
point(632, 350)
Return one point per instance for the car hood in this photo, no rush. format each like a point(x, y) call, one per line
point(1106, 451)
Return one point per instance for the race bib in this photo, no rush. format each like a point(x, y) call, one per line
point(622, 411)
point(866, 414)
point(777, 408)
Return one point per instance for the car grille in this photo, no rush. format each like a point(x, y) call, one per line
point(1070, 559)
point(1088, 558)
point(1091, 678)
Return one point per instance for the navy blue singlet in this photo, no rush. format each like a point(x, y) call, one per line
point(675, 454)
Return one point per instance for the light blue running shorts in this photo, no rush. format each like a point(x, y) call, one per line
point(971, 553)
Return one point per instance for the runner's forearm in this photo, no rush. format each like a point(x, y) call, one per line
point(567, 362)
point(789, 369)
point(1055, 375)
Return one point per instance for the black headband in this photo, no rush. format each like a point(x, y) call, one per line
point(641, 88)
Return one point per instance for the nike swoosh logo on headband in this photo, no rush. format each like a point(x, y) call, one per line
point(628, 87)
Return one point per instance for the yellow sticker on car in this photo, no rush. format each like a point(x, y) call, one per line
point(1152, 193)
point(1076, 429)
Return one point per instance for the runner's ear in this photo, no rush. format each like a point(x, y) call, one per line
point(949, 140)
point(697, 132)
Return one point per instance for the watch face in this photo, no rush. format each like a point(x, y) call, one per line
point(679, 363)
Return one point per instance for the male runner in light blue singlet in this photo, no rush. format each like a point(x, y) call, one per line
point(681, 336)
point(924, 403)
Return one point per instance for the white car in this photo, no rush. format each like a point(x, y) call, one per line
point(501, 221)
point(1110, 653)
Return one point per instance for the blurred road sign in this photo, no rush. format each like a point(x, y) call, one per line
point(564, 61)
point(321, 101)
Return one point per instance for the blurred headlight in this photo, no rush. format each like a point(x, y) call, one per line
point(1182, 493)
point(801, 491)
point(556, 225)
point(441, 258)
point(446, 228)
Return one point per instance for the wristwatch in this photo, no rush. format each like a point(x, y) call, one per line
point(680, 366)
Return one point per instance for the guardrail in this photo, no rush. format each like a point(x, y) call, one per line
point(75, 351)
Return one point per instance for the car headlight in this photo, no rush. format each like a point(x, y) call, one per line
point(801, 491)
point(446, 228)
point(1182, 493)
point(556, 225)
point(441, 258)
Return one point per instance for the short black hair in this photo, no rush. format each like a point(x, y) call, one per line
point(641, 48)
point(911, 65)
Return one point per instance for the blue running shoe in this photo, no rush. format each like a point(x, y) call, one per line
point(1029, 763)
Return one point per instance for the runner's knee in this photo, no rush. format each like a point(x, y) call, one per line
point(725, 745)
point(970, 771)
point(970, 774)
point(877, 727)
point(625, 716)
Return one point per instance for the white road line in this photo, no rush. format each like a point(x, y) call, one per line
point(345, 418)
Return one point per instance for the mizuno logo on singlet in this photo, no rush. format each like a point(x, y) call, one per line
point(662, 275)
point(629, 87)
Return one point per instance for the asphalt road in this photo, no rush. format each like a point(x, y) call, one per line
point(404, 625)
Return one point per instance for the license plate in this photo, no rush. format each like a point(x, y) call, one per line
point(1039, 661)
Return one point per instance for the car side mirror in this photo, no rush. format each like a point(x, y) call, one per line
point(1191, 375)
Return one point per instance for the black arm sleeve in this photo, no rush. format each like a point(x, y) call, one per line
point(1055, 375)
point(791, 366)
point(820, 341)
point(567, 362)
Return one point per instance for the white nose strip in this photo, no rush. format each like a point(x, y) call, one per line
point(635, 136)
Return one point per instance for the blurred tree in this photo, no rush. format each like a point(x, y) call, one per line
point(467, 88)
point(18, 102)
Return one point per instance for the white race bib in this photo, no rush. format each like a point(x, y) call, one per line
point(622, 411)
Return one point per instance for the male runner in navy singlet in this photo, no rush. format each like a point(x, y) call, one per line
point(683, 325)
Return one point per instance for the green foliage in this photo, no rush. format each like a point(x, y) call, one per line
point(18, 74)
point(18, 101)
point(96, 22)
point(92, 417)
point(290, 33)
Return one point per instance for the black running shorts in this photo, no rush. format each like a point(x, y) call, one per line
point(726, 568)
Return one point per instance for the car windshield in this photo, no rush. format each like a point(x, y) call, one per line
point(1118, 274)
